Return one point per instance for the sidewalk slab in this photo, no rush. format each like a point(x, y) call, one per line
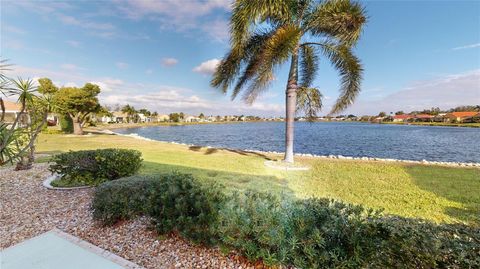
point(58, 250)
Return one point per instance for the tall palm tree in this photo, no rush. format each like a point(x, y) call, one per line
point(267, 33)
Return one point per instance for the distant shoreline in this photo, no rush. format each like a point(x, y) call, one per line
point(137, 125)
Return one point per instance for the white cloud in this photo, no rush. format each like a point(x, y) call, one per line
point(181, 16)
point(471, 46)
point(122, 65)
point(70, 67)
point(70, 20)
point(207, 67)
point(13, 29)
point(109, 84)
point(444, 92)
point(169, 62)
point(73, 43)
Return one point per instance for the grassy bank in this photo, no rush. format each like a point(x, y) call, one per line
point(441, 194)
point(445, 124)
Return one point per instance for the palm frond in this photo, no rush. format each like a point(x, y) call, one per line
point(309, 61)
point(309, 101)
point(342, 20)
point(247, 12)
point(277, 50)
point(350, 69)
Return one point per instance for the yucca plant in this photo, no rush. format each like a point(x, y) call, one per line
point(267, 33)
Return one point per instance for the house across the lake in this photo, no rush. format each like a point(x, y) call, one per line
point(402, 118)
point(467, 116)
point(116, 117)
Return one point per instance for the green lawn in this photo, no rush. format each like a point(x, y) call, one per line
point(441, 194)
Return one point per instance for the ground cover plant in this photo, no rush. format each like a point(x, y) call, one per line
point(92, 167)
point(310, 233)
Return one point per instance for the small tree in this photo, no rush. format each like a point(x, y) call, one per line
point(78, 103)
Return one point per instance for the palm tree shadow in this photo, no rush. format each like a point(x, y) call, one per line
point(232, 181)
point(210, 151)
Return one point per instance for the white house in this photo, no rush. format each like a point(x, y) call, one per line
point(191, 119)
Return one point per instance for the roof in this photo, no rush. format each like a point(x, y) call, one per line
point(423, 116)
point(119, 114)
point(11, 106)
point(403, 117)
point(463, 114)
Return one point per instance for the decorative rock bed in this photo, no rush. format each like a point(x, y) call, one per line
point(28, 209)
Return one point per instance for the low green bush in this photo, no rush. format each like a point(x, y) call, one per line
point(254, 224)
point(325, 233)
point(92, 167)
point(311, 233)
point(182, 204)
point(123, 199)
point(175, 202)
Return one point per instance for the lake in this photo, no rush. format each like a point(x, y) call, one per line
point(407, 142)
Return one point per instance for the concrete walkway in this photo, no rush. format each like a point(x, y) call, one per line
point(58, 250)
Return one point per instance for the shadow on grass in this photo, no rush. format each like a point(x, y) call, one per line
point(210, 151)
point(231, 180)
point(455, 184)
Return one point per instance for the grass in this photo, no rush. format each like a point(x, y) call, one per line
point(440, 194)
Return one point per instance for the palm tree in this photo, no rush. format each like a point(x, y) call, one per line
point(130, 111)
point(267, 33)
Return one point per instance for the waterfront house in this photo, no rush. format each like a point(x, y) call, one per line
point(423, 117)
point(402, 118)
point(466, 116)
point(115, 117)
point(191, 119)
point(162, 118)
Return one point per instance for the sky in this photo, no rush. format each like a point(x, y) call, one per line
point(160, 54)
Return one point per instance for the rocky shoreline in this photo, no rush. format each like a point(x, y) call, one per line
point(340, 157)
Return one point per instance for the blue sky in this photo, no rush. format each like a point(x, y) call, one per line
point(160, 54)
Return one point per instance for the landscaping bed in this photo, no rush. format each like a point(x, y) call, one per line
point(28, 209)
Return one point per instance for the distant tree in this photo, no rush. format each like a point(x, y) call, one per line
point(399, 112)
point(144, 112)
point(201, 116)
point(181, 115)
point(130, 111)
point(174, 117)
point(382, 114)
point(155, 114)
point(78, 104)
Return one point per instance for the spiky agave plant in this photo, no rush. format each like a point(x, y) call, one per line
point(267, 33)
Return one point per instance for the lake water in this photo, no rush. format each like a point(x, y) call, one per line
point(407, 142)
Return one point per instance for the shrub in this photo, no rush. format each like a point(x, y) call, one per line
point(184, 205)
point(253, 223)
point(416, 243)
point(123, 199)
point(311, 233)
point(66, 124)
point(175, 202)
point(92, 167)
point(326, 234)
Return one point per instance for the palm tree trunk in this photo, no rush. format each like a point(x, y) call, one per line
point(291, 104)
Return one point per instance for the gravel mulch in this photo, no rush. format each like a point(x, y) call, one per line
point(28, 209)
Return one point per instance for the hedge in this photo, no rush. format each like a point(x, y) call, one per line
point(311, 233)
